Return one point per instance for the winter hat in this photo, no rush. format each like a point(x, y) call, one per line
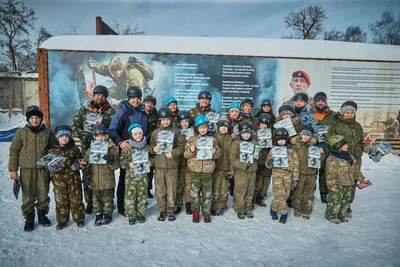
point(33, 111)
point(63, 130)
point(320, 96)
point(286, 109)
point(348, 105)
point(234, 106)
point(307, 130)
point(223, 121)
point(135, 128)
point(301, 74)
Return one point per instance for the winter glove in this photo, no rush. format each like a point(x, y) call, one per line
point(229, 176)
point(367, 149)
point(293, 185)
point(75, 166)
point(54, 167)
point(86, 177)
point(109, 158)
point(321, 145)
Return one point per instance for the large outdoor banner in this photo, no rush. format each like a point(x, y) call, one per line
point(375, 87)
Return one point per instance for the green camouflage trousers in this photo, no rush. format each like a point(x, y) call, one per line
point(281, 190)
point(181, 191)
point(35, 190)
point(322, 177)
point(103, 201)
point(135, 195)
point(201, 182)
point(263, 179)
point(88, 193)
point(186, 193)
point(166, 183)
point(244, 190)
point(219, 190)
point(338, 202)
point(303, 194)
point(68, 197)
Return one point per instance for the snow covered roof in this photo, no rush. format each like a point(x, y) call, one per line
point(18, 75)
point(281, 48)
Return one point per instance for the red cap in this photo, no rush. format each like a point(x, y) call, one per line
point(301, 74)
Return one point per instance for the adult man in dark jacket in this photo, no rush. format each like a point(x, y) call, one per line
point(129, 112)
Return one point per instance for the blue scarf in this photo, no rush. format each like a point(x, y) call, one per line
point(342, 155)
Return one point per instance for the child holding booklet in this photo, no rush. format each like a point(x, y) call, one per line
point(136, 179)
point(201, 165)
point(102, 182)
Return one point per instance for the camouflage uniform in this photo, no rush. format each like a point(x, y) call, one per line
point(102, 183)
point(175, 122)
point(245, 179)
point(304, 192)
point(220, 183)
point(197, 110)
point(135, 186)
point(247, 117)
point(78, 130)
point(352, 131)
point(67, 185)
point(136, 72)
point(201, 176)
point(263, 176)
point(323, 118)
point(340, 173)
point(281, 181)
point(166, 171)
point(26, 149)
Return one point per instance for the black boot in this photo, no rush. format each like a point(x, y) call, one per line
point(178, 210)
point(171, 216)
point(240, 215)
point(80, 224)
point(29, 222)
point(220, 212)
point(249, 214)
point(161, 216)
point(132, 221)
point(99, 218)
point(274, 215)
point(283, 219)
point(188, 207)
point(89, 208)
point(324, 197)
point(61, 226)
point(142, 219)
point(42, 218)
point(107, 218)
point(259, 201)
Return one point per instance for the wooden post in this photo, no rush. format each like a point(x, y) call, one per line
point(44, 86)
point(99, 26)
point(10, 102)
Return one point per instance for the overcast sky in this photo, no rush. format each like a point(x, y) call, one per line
point(215, 18)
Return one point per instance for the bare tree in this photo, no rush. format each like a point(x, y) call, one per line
point(128, 29)
point(43, 35)
point(15, 22)
point(355, 34)
point(306, 23)
point(386, 30)
point(333, 35)
point(73, 29)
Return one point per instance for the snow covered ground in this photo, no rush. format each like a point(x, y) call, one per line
point(371, 238)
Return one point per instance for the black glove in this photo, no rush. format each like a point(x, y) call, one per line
point(109, 158)
point(229, 176)
point(248, 164)
point(270, 163)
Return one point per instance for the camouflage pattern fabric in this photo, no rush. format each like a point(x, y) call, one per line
point(219, 190)
point(281, 181)
point(78, 122)
point(153, 120)
point(197, 110)
point(35, 185)
point(247, 117)
point(68, 197)
point(201, 183)
point(103, 201)
point(263, 179)
point(338, 202)
point(180, 191)
point(198, 166)
point(166, 185)
point(303, 194)
point(244, 190)
point(307, 118)
point(135, 194)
